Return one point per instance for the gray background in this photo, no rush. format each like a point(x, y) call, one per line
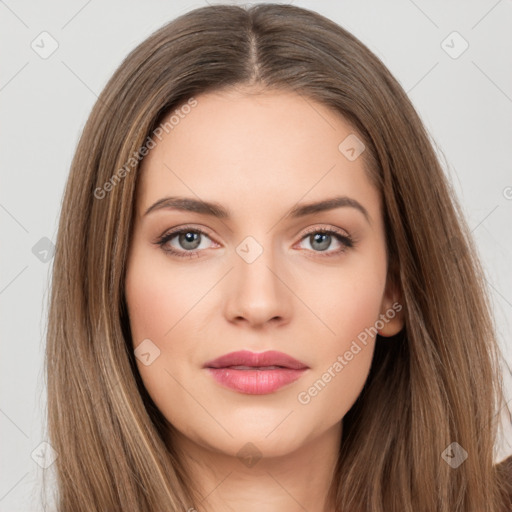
point(464, 99)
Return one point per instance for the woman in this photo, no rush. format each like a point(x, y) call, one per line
point(264, 293)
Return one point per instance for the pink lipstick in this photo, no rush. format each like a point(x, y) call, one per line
point(255, 373)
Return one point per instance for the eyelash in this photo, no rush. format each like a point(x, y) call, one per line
point(346, 241)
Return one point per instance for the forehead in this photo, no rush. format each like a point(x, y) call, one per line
point(246, 148)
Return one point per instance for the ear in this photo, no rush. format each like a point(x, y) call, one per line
point(391, 318)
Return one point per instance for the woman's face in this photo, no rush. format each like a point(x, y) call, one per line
point(256, 272)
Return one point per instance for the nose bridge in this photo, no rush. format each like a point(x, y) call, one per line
point(257, 292)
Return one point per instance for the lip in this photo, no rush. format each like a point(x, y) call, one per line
point(255, 373)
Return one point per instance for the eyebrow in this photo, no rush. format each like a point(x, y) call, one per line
point(216, 210)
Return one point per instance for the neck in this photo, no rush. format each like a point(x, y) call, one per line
point(255, 482)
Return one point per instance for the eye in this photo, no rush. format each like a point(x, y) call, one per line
point(321, 239)
point(188, 242)
point(184, 242)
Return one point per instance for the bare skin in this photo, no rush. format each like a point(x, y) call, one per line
point(258, 155)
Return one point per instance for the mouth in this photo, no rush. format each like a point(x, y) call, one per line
point(255, 373)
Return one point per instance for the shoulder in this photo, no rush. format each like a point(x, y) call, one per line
point(505, 470)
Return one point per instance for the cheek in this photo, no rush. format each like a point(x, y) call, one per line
point(344, 358)
point(347, 298)
point(157, 299)
point(163, 304)
point(156, 302)
point(349, 304)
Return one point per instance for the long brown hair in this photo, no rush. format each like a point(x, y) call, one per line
point(437, 382)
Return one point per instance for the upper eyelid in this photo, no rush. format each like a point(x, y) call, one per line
point(205, 231)
point(173, 232)
point(331, 229)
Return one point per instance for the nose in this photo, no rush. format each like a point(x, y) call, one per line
point(258, 293)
